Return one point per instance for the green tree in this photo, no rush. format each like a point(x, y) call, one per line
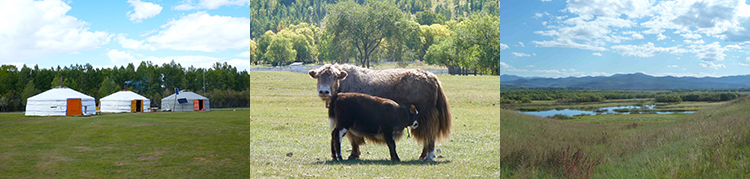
point(429, 35)
point(491, 7)
point(443, 53)
point(428, 18)
point(108, 86)
point(364, 26)
point(56, 81)
point(253, 48)
point(280, 51)
point(481, 32)
point(28, 91)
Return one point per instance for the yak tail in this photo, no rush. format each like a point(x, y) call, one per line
point(443, 114)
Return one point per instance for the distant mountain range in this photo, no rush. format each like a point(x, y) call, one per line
point(630, 81)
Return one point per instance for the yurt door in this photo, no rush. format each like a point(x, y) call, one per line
point(136, 106)
point(74, 107)
point(198, 105)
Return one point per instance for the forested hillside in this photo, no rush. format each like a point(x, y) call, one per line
point(462, 35)
point(271, 14)
point(224, 85)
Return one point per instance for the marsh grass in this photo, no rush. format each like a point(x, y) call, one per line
point(291, 139)
point(145, 145)
point(712, 142)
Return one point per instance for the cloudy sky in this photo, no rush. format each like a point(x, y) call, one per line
point(117, 32)
point(558, 38)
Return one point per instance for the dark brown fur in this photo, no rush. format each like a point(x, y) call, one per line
point(405, 86)
point(368, 116)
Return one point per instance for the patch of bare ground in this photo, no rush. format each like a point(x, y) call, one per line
point(141, 125)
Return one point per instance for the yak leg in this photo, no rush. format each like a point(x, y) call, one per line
point(336, 135)
point(388, 136)
point(428, 152)
point(356, 142)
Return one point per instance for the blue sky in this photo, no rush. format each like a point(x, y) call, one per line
point(117, 32)
point(556, 38)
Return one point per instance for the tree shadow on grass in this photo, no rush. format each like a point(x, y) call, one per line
point(381, 162)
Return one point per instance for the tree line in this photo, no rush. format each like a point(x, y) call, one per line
point(363, 32)
point(224, 85)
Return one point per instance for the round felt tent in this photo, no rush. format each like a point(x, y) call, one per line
point(124, 101)
point(60, 101)
point(185, 101)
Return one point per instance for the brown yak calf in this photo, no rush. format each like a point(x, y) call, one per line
point(368, 116)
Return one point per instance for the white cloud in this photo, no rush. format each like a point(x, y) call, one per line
point(630, 8)
point(538, 15)
point(210, 4)
point(672, 66)
point(121, 58)
point(711, 65)
point(661, 37)
point(240, 64)
point(645, 50)
point(567, 43)
point(600, 74)
point(196, 32)
point(584, 32)
point(33, 28)
point(503, 65)
point(742, 64)
point(691, 36)
point(519, 54)
point(530, 66)
point(694, 42)
point(503, 46)
point(597, 54)
point(637, 36)
point(735, 47)
point(708, 52)
point(143, 10)
point(521, 44)
point(747, 59)
point(244, 54)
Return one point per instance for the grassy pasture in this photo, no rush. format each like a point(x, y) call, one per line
point(210, 144)
point(714, 142)
point(290, 137)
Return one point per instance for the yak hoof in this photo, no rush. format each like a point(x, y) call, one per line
point(430, 157)
point(353, 157)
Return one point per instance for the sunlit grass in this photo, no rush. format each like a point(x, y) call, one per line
point(145, 145)
point(290, 136)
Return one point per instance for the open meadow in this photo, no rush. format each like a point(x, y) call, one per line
point(714, 142)
point(211, 144)
point(290, 137)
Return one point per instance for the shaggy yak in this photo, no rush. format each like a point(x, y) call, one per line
point(405, 86)
point(362, 115)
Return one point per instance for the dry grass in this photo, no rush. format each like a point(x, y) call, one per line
point(712, 142)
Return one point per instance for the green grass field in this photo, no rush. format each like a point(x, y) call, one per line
point(290, 137)
point(711, 143)
point(144, 145)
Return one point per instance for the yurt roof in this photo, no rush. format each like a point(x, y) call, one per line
point(185, 94)
point(123, 95)
point(60, 93)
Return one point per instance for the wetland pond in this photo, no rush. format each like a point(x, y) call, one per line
point(644, 109)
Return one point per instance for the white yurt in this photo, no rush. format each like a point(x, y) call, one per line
point(184, 101)
point(124, 101)
point(60, 101)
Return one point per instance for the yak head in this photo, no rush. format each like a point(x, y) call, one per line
point(328, 77)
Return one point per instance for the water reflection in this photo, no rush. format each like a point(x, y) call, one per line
point(604, 110)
